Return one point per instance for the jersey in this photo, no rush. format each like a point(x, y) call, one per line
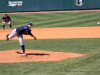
point(6, 18)
point(24, 30)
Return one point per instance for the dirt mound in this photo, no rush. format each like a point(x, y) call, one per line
point(11, 56)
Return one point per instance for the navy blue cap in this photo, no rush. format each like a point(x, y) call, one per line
point(30, 23)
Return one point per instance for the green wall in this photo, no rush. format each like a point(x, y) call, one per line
point(45, 5)
point(92, 3)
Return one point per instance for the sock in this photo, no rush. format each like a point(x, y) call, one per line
point(23, 48)
point(10, 26)
point(3, 26)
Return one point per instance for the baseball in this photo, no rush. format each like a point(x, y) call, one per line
point(98, 23)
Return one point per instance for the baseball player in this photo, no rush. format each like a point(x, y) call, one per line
point(19, 33)
point(6, 19)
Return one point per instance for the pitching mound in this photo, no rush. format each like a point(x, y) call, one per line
point(12, 56)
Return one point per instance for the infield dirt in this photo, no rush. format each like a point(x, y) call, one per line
point(58, 33)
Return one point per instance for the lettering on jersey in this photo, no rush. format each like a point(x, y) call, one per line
point(15, 3)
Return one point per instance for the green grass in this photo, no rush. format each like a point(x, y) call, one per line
point(60, 19)
point(61, 45)
point(74, 66)
point(86, 65)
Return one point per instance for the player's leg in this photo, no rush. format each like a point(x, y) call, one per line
point(10, 25)
point(3, 24)
point(10, 36)
point(20, 37)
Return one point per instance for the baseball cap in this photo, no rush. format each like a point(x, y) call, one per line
point(30, 23)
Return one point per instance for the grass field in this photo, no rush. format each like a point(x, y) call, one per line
point(86, 65)
point(60, 19)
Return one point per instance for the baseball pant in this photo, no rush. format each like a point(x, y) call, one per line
point(3, 23)
point(20, 36)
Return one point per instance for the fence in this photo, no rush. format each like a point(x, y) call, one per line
point(45, 5)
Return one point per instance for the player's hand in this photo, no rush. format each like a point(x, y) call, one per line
point(35, 38)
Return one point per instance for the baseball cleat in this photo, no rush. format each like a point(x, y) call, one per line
point(7, 37)
point(24, 54)
point(10, 28)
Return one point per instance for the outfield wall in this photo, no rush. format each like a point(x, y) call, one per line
point(45, 5)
